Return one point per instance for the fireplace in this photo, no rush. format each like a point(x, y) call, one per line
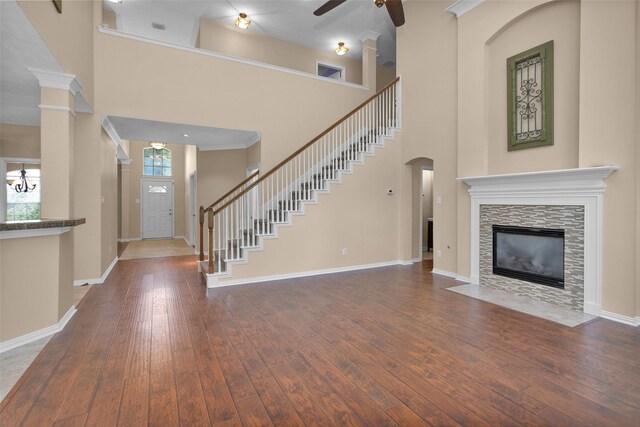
point(528, 253)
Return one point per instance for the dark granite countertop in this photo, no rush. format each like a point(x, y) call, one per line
point(40, 223)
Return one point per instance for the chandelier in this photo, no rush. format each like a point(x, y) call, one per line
point(23, 184)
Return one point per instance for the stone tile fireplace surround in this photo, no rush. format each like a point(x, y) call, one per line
point(569, 199)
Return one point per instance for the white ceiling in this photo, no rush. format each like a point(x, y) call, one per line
point(290, 20)
point(21, 47)
point(205, 138)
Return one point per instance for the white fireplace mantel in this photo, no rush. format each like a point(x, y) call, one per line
point(581, 186)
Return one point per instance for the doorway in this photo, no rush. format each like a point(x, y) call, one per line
point(157, 209)
point(426, 214)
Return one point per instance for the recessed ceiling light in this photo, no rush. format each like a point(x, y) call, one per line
point(115, 1)
point(186, 135)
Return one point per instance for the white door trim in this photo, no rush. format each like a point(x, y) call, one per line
point(157, 178)
point(193, 197)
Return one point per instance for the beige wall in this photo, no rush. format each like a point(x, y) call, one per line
point(109, 202)
point(34, 298)
point(87, 200)
point(559, 22)
point(230, 40)
point(219, 171)
point(20, 141)
point(427, 61)
point(316, 239)
point(109, 19)
point(68, 35)
point(179, 181)
point(203, 90)
point(609, 118)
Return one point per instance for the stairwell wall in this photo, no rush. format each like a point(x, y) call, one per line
point(357, 215)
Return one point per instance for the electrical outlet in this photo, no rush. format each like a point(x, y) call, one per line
point(438, 253)
point(344, 251)
point(439, 200)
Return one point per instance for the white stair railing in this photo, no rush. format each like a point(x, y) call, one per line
point(253, 210)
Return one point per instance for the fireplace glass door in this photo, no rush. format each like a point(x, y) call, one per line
point(532, 254)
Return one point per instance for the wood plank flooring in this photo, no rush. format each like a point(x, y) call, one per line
point(379, 347)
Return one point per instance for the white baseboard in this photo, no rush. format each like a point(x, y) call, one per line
point(632, 321)
point(418, 259)
point(464, 279)
point(444, 273)
point(299, 274)
point(129, 240)
point(36, 335)
point(98, 280)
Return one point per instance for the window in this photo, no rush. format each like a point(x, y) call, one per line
point(330, 71)
point(157, 162)
point(22, 206)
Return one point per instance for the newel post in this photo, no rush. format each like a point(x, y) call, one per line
point(211, 256)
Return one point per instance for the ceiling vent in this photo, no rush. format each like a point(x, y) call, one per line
point(157, 26)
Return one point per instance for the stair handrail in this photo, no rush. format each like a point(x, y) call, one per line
point(204, 210)
point(305, 146)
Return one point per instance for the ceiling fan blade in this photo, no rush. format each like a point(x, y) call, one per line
point(396, 11)
point(328, 6)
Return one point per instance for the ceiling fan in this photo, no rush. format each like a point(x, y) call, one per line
point(394, 7)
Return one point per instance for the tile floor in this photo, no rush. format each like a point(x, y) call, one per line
point(541, 309)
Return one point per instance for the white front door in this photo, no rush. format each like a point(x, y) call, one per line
point(157, 209)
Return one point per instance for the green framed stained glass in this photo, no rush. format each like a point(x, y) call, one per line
point(157, 162)
point(530, 98)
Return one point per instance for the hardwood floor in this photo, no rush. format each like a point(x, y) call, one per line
point(388, 346)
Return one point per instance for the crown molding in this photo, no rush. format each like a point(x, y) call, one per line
point(55, 80)
point(369, 35)
point(57, 108)
point(115, 138)
point(461, 7)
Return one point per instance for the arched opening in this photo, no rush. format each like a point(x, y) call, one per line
point(422, 212)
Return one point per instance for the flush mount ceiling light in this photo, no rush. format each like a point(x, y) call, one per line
point(115, 1)
point(242, 21)
point(158, 145)
point(341, 49)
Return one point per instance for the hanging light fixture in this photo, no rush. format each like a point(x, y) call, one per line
point(379, 3)
point(242, 21)
point(23, 184)
point(341, 49)
point(158, 145)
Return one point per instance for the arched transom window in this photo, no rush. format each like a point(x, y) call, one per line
point(157, 161)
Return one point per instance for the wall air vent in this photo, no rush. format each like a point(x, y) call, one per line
point(157, 26)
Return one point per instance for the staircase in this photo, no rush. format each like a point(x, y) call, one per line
point(240, 221)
